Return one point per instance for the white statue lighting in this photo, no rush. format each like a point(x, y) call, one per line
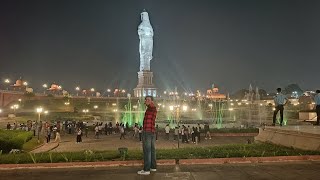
point(145, 32)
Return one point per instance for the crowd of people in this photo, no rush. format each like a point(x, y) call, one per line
point(185, 133)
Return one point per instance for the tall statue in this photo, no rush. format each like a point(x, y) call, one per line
point(145, 32)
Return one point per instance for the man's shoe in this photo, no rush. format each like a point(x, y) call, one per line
point(142, 172)
point(153, 170)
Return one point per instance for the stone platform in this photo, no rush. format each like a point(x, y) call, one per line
point(305, 137)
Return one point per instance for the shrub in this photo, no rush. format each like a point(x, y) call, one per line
point(225, 151)
point(13, 139)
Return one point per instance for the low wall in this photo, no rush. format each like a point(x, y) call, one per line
point(289, 138)
point(307, 115)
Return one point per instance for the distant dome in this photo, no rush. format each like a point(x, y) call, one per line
point(19, 82)
point(54, 87)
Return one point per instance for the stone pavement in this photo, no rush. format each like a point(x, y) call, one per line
point(46, 147)
point(309, 129)
point(113, 142)
point(306, 137)
point(280, 170)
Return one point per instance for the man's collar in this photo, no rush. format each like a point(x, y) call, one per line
point(151, 105)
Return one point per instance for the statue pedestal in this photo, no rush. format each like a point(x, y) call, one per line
point(145, 85)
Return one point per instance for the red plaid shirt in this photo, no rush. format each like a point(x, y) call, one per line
point(149, 120)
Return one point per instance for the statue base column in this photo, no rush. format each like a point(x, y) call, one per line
point(145, 85)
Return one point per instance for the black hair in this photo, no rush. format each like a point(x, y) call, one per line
point(151, 97)
point(279, 89)
point(318, 91)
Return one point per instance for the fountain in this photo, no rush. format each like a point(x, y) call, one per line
point(133, 114)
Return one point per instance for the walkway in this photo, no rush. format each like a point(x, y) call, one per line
point(113, 142)
point(275, 171)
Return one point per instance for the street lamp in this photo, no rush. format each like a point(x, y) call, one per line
point(7, 81)
point(95, 106)
point(184, 108)
point(92, 90)
point(176, 112)
point(39, 111)
point(77, 89)
point(14, 107)
point(108, 90)
point(85, 111)
point(45, 86)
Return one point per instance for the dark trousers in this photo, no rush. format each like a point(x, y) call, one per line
point(198, 135)
point(184, 138)
point(122, 136)
point(149, 151)
point(278, 108)
point(79, 138)
point(48, 138)
point(318, 114)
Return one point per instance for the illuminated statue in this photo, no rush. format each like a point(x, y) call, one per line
point(145, 32)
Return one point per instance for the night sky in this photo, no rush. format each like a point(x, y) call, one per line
point(94, 43)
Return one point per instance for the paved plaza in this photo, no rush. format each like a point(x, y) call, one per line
point(113, 142)
point(295, 170)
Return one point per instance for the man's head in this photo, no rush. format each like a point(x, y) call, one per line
point(318, 91)
point(278, 90)
point(148, 100)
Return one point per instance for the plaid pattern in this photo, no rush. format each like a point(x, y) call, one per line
point(149, 120)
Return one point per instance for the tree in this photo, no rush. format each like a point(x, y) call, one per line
point(288, 90)
point(239, 94)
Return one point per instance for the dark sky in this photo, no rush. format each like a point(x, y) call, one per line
point(94, 43)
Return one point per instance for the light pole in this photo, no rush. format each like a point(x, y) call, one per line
point(45, 86)
point(77, 89)
point(7, 81)
point(39, 111)
point(176, 112)
point(92, 91)
point(14, 108)
point(45, 113)
point(85, 111)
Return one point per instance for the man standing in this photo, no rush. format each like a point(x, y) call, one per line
point(317, 104)
point(280, 100)
point(167, 129)
point(148, 136)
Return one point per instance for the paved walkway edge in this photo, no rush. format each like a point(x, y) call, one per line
point(162, 162)
point(233, 134)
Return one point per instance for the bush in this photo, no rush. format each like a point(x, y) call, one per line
point(235, 130)
point(13, 139)
point(225, 151)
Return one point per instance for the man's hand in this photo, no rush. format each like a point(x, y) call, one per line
point(287, 101)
